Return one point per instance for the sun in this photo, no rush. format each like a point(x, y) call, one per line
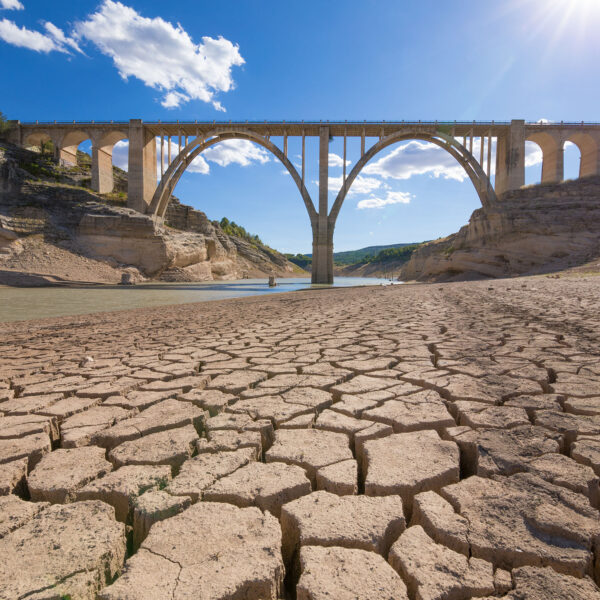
point(552, 22)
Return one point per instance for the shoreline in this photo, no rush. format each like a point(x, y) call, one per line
point(64, 301)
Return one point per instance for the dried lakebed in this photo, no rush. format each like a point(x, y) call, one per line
point(406, 442)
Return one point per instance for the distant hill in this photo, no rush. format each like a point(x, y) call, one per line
point(351, 257)
point(370, 254)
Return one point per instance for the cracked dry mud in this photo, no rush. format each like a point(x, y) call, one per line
point(430, 442)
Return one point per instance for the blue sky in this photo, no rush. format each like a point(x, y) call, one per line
point(311, 60)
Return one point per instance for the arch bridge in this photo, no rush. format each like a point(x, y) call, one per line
point(155, 170)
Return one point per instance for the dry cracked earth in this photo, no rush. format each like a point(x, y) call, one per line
point(422, 442)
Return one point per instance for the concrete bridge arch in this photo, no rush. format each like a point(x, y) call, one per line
point(168, 182)
point(476, 174)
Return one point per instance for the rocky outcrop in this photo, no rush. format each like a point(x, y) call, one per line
point(537, 229)
point(53, 229)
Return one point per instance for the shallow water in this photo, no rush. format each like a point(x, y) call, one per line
point(37, 303)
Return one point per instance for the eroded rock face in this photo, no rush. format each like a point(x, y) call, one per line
point(530, 230)
point(211, 550)
point(72, 549)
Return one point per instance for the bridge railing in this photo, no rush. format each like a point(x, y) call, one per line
point(318, 122)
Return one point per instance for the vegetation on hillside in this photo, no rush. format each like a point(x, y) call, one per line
point(4, 125)
point(402, 253)
point(302, 260)
point(372, 255)
point(232, 228)
point(353, 257)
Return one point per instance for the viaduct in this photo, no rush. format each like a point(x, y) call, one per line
point(150, 191)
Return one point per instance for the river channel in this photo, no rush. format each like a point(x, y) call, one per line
point(37, 303)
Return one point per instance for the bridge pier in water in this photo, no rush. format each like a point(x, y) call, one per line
point(457, 138)
point(322, 255)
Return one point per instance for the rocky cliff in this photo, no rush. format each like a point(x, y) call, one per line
point(537, 229)
point(53, 229)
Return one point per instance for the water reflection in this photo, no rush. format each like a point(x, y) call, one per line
point(36, 303)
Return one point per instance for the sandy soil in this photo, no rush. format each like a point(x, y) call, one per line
point(417, 441)
point(37, 262)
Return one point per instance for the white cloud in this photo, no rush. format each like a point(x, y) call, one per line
point(120, 155)
point(60, 38)
point(198, 165)
point(361, 185)
point(390, 198)
point(11, 5)
point(33, 40)
point(335, 160)
point(241, 152)
point(54, 40)
point(533, 154)
point(162, 55)
point(417, 158)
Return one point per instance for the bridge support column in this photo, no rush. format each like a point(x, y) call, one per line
point(66, 157)
point(553, 164)
point(590, 156)
point(102, 171)
point(142, 166)
point(322, 259)
point(510, 158)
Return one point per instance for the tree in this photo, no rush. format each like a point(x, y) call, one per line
point(4, 125)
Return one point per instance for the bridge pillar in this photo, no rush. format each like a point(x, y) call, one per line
point(102, 170)
point(553, 165)
point(142, 166)
point(322, 258)
point(510, 158)
point(66, 157)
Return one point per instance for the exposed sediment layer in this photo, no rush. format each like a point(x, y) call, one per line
point(420, 442)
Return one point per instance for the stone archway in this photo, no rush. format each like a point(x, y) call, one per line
point(102, 164)
point(589, 151)
point(67, 147)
